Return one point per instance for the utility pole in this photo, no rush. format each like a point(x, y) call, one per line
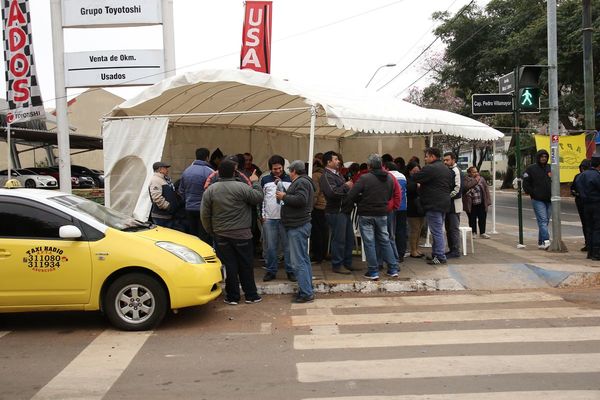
point(516, 115)
point(556, 244)
point(588, 71)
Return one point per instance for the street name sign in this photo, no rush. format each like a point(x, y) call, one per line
point(107, 13)
point(492, 103)
point(114, 68)
point(506, 83)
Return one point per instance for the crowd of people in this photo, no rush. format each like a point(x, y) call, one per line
point(228, 202)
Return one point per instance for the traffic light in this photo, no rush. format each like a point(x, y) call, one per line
point(529, 91)
point(529, 99)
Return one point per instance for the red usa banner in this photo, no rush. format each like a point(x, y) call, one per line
point(256, 39)
point(22, 90)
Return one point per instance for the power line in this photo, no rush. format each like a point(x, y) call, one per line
point(452, 52)
point(427, 48)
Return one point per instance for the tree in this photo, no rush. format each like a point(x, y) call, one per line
point(483, 44)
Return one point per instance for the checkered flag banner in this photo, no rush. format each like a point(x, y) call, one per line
point(22, 90)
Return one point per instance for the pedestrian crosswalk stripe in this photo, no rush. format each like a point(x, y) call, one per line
point(428, 300)
point(444, 316)
point(3, 333)
point(92, 373)
point(434, 338)
point(437, 367)
point(530, 395)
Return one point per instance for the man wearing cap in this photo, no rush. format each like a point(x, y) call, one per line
point(162, 195)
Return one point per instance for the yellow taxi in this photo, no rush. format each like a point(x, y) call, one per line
point(62, 252)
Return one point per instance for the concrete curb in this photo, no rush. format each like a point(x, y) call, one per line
point(383, 286)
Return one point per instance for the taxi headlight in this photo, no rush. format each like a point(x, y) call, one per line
point(185, 253)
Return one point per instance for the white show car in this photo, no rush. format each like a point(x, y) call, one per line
point(29, 179)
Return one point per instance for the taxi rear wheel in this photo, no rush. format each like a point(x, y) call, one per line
point(135, 302)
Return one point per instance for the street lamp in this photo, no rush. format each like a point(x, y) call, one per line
point(383, 66)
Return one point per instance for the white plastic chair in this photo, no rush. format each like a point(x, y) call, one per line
point(355, 228)
point(464, 230)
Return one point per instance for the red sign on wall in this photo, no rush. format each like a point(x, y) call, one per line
point(256, 38)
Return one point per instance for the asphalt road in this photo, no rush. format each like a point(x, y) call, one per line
point(507, 216)
point(484, 346)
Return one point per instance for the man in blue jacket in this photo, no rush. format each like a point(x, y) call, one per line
point(191, 188)
point(588, 186)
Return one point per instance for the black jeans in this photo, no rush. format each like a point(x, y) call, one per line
point(591, 212)
point(196, 227)
point(477, 217)
point(237, 256)
point(319, 235)
point(453, 233)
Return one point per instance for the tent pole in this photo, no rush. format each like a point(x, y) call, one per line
point(494, 187)
point(311, 143)
point(431, 139)
point(8, 158)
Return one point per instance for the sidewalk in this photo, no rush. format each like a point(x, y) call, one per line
point(497, 264)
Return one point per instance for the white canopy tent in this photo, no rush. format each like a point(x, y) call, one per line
point(254, 110)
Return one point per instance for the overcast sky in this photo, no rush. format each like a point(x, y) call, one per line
point(330, 42)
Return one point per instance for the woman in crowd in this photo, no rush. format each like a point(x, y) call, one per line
point(414, 211)
point(476, 201)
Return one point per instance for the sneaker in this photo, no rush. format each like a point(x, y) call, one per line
point(372, 275)
point(254, 300)
point(269, 276)
point(485, 236)
point(393, 272)
point(291, 277)
point(545, 245)
point(436, 261)
point(230, 302)
point(303, 299)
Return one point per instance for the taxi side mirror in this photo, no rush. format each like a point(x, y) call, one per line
point(69, 232)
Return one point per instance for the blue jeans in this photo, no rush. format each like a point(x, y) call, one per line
point(542, 210)
point(374, 233)
point(391, 228)
point(299, 258)
point(166, 223)
point(342, 239)
point(435, 221)
point(275, 233)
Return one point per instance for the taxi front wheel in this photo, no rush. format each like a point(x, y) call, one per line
point(135, 302)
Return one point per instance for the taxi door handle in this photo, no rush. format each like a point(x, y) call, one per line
point(4, 253)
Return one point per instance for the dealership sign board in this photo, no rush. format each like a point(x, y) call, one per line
point(103, 13)
point(22, 89)
point(114, 68)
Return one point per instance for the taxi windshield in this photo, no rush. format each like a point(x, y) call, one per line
point(105, 215)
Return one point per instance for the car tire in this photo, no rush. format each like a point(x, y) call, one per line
point(30, 183)
point(135, 302)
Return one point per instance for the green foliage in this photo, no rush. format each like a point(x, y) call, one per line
point(483, 44)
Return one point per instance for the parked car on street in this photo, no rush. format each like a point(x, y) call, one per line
point(97, 176)
point(29, 179)
point(61, 252)
point(77, 181)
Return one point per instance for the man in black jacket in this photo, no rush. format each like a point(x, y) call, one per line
point(588, 187)
point(372, 194)
point(537, 182)
point(296, 206)
point(335, 188)
point(435, 185)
